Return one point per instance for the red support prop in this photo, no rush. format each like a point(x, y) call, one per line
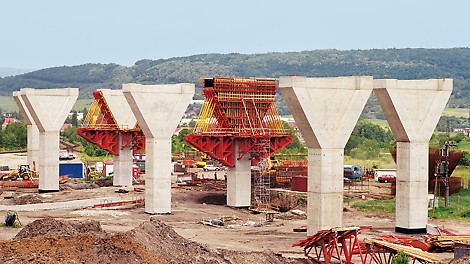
point(337, 243)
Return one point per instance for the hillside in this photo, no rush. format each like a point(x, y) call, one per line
point(12, 71)
point(389, 63)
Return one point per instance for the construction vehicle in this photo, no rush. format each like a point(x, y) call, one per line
point(24, 171)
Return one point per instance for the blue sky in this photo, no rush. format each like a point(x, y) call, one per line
point(39, 34)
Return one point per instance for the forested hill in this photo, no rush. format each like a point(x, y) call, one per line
point(390, 63)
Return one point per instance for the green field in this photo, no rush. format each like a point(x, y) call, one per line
point(457, 112)
point(381, 122)
point(464, 145)
point(8, 104)
point(385, 161)
point(459, 206)
point(464, 173)
point(82, 103)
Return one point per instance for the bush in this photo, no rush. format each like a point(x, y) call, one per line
point(465, 160)
point(401, 258)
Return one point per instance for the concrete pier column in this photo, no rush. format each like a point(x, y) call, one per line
point(412, 109)
point(239, 182)
point(326, 111)
point(325, 193)
point(125, 119)
point(158, 175)
point(412, 187)
point(33, 144)
point(158, 110)
point(48, 163)
point(49, 109)
point(32, 130)
point(122, 165)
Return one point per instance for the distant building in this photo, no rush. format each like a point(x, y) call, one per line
point(8, 120)
point(79, 115)
point(293, 124)
point(65, 126)
point(465, 131)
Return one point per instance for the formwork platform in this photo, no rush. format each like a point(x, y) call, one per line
point(243, 110)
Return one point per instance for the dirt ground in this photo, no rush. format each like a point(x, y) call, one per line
point(128, 235)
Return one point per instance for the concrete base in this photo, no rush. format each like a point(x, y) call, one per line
point(410, 230)
point(158, 176)
point(158, 213)
point(239, 184)
point(47, 191)
point(325, 189)
point(49, 161)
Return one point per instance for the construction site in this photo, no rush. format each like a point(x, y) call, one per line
point(230, 199)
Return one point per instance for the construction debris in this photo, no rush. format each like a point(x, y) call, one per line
point(445, 243)
point(213, 222)
point(109, 204)
point(298, 212)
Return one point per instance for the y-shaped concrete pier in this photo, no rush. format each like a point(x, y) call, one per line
point(412, 109)
point(32, 130)
point(326, 111)
point(124, 117)
point(158, 109)
point(49, 109)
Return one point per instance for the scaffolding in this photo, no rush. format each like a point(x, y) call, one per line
point(101, 128)
point(243, 110)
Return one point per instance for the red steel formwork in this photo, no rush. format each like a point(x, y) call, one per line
point(342, 245)
point(242, 112)
point(100, 128)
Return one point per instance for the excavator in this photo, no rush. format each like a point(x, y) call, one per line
point(24, 171)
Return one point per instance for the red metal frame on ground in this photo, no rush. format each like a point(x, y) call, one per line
point(341, 244)
point(337, 243)
point(119, 203)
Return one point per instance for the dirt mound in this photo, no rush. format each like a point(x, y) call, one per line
point(52, 227)
point(52, 241)
point(27, 199)
point(81, 248)
point(164, 242)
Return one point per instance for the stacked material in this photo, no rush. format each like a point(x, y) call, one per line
point(415, 253)
point(445, 243)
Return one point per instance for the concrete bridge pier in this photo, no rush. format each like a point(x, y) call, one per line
point(49, 109)
point(326, 111)
point(412, 109)
point(32, 130)
point(125, 119)
point(158, 109)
